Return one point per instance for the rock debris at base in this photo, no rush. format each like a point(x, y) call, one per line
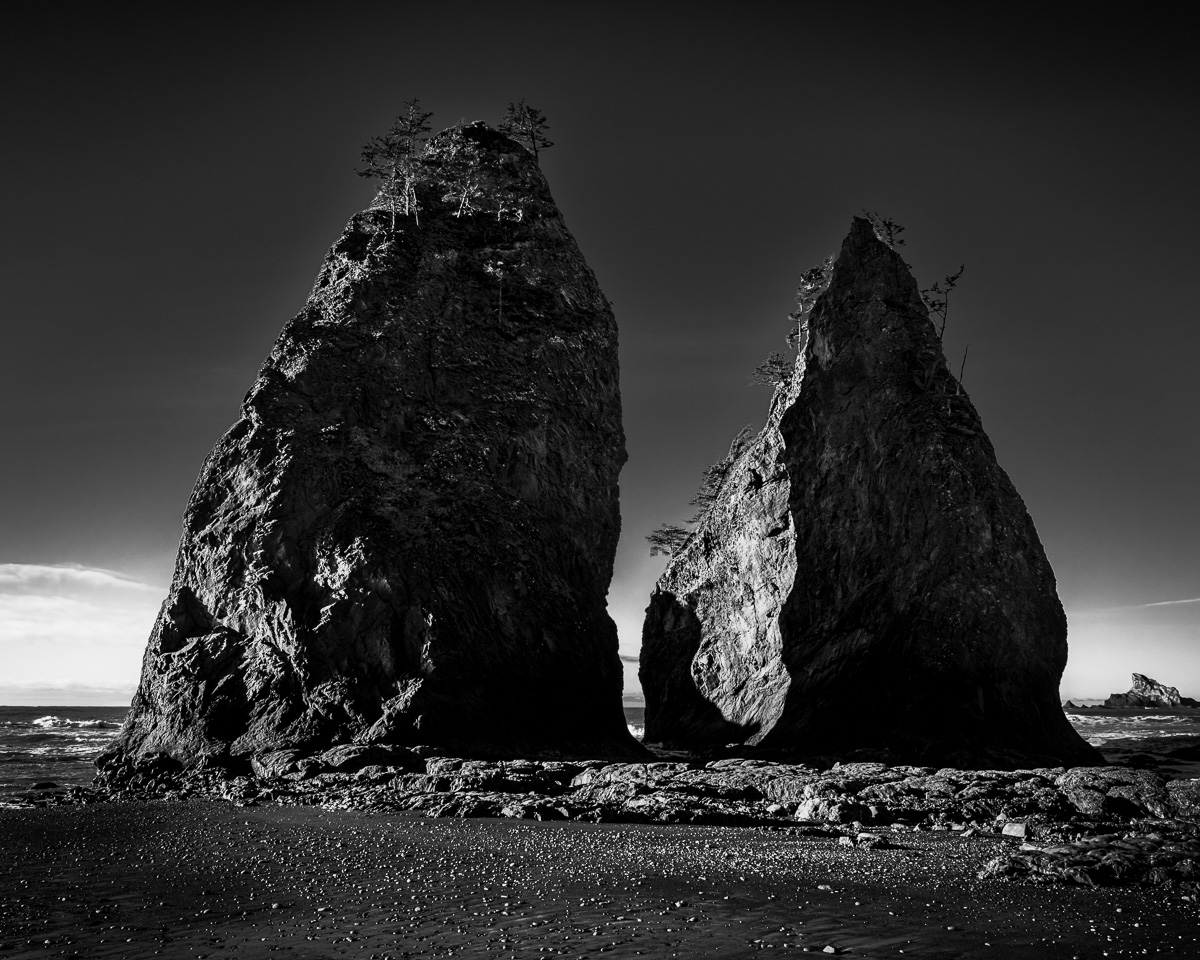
point(1162, 854)
point(1077, 822)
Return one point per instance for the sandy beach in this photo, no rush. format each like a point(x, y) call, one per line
point(210, 879)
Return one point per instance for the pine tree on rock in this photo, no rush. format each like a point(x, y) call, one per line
point(526, 125)
point(394, 159)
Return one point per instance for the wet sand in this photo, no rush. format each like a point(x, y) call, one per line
point(205, 879)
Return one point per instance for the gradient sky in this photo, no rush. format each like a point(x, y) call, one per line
point(170, 186)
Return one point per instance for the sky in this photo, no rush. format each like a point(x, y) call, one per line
point(171, 182)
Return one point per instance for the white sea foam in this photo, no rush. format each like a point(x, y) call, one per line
point(52, 722)
point(65, 750)
point(1097, 736)
point(1152, 733)
point(1089, 719)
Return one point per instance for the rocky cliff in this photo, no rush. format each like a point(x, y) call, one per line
point(1149, 693)
point(409, 535)
point(867, 577)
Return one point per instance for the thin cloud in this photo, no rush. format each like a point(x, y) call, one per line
point(1132, 606)
point(37, 577)
point(50, 621)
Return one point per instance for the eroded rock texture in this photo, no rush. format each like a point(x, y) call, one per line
point(867, 576)
point(1149, 693)
point(409, 535)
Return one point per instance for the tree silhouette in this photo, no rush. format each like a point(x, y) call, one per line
point(937, 297)
point(526, 125)
point(667, 539)
point(886, 229)
point(714, 476)
point(457, 163)
point(393, 158)
point(776, 369)
point(813, 283)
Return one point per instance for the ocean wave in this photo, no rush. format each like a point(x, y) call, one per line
point(64, 751)
point(40, 758)
point(1090, 719)
point(52, 722)
point(1096, 737)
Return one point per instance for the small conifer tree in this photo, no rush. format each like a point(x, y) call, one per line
point(776, 369)
point(937, 297)
point(886, 229)
point(668, 539)
point(394, 159)
point(526, 125)
point(456, 162)
point(813, 283)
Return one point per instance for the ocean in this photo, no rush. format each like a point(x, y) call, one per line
point(53, 744)
point(58, 744)
point(635, 718)
point(1165, 740)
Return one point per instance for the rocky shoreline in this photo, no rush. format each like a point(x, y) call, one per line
point(1087, 826)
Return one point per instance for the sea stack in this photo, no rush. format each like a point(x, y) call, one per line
point(408, 536)
point(866, 581)
point(1149, 693)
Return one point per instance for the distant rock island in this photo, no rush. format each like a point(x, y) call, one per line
point(866, 577)
point(408, 537)
point(1148, 693)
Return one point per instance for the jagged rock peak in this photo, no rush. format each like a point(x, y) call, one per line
point(866, 578)
point(409, 535)
point(1149, 693)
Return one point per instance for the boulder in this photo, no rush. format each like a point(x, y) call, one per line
point(833, 811)
point(1115, 792)
point(351, 758)
point(866, 577)
point(272, 764)
point(409, 534)
point(1183, 798)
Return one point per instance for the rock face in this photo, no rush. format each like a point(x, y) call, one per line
point(867, 577)
point(1148, 693)
point(409, 535)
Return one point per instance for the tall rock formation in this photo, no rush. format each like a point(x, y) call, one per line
point(409, 535)
point(866, 577)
